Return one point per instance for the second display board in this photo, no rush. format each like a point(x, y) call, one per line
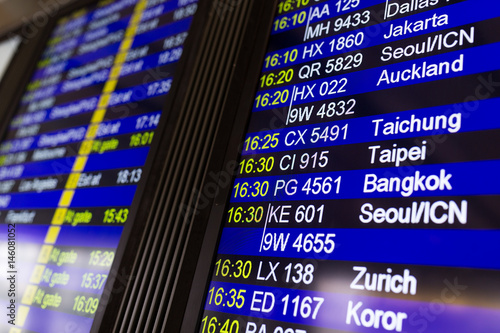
point(77, 154)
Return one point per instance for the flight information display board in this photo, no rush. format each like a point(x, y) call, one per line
point(366, 197)
point(75, 154)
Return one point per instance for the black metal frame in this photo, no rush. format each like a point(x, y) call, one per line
point(209, 220)
point(17, 74)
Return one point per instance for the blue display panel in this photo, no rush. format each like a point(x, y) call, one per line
point(366, 197)
point(75, 155)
